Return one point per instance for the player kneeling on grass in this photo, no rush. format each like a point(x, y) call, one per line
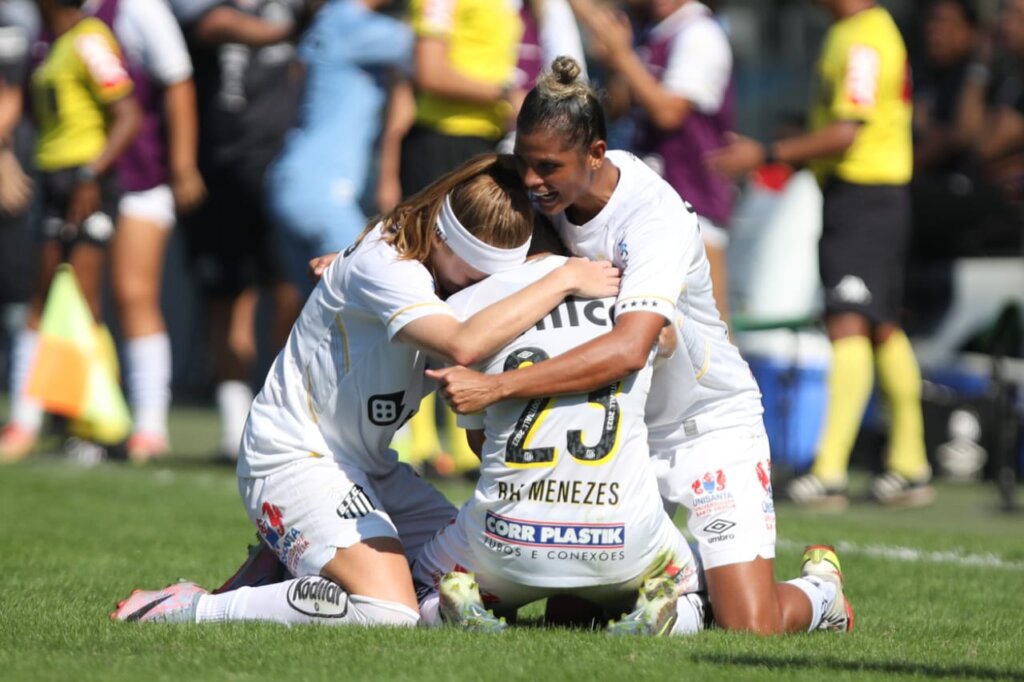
point(567, 502)
point(704, 412)
point(315, 472)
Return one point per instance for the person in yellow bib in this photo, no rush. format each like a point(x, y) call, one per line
point(859, 147)
point(86, 117)
point(464, 76)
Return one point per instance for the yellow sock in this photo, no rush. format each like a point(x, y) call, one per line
point(463, 457)
point(421, 442)
point(900, 379)
point(849, 389)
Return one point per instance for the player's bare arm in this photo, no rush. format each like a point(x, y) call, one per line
point(596, 363)
point(743, 154)
point(468, 342)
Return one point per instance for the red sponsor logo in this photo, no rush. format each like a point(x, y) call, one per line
point(709, 483)
point(271, 526)
point(274, 517)
point(764, 474)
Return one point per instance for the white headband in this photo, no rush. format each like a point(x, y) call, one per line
point(479, 255)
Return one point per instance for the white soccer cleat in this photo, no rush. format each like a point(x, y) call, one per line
point(821, 561)
point(656, 610)
point(174, 604)
point(461, 605)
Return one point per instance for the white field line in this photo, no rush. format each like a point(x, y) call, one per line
point(913, 555)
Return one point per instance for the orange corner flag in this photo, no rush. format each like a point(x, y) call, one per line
point(71, 374)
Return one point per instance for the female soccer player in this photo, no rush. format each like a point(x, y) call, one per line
point(86, 119)
point(315, 472)
point(704, 413)
point(567, 503)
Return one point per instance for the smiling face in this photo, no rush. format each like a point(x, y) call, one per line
point(555, 174)
point(451, 272)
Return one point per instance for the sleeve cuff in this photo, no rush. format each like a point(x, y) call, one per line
point(470, 422)
point(414, 312)
point(646, 304)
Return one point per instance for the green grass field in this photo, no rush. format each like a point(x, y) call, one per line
point(939, 593)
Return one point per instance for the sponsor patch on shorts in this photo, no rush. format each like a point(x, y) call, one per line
point(546, 534)
point(356, 504)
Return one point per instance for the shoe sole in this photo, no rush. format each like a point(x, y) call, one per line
point(910, 499)
point(479, 620)
point(485, 622)
point(847, 606)
point(635, 627)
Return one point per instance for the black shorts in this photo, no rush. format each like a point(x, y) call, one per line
point(428, 154)
point(228, 238)
point(97, 229)
point(17, 257)
point(863, 249)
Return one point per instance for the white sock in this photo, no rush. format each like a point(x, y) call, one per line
point(690, 610)
point(303, 601)
point(430, 610)
point(233, 401)
point(149, 381)
point(820, 592)
point(25, 412)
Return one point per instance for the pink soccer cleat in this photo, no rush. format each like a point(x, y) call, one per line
point(174, 604)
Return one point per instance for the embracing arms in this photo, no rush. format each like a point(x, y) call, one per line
point(481, 335)
point(599, 362)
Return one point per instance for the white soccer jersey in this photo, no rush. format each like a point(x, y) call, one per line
point(566, 497)
point(700, 61)
point(649, 232)
point(149, 35)
point(343, 385)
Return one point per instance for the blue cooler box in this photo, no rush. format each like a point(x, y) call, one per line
point(791, 369)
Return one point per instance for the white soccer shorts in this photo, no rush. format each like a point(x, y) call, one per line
point(723, 479)
point(154, 205)
point(308, 510)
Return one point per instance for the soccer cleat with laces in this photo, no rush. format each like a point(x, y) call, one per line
point(462, 606)
point(174, 604)
point(812, 492)
point(821, 562)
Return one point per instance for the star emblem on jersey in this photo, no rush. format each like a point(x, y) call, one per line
point(385, 409)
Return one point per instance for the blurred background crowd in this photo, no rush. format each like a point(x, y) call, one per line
point(188, 159)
